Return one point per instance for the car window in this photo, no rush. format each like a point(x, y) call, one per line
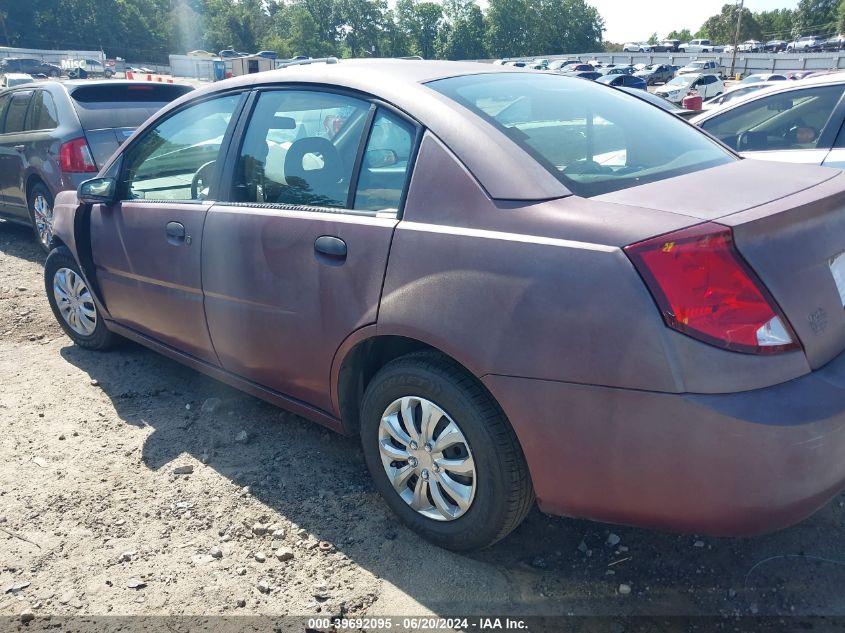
point(386, 162)
point(593, 139)
point(782, 121)
point(174, 160)
point(300, 148)
point(42, 113)
point(16, 114)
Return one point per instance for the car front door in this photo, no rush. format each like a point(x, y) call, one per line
point(147, 247)
point(13, 148)
point(796, 126)
point(294, 263)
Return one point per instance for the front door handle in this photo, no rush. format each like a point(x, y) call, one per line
point(330, 249)
point(175, 232)
point(20, 147)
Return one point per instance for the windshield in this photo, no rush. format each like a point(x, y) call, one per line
point(593, 139)
point(679, 81)
point(696, 64)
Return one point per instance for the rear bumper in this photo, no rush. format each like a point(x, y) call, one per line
point(725, 465)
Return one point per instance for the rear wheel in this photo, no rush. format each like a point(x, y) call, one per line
point(72, 302)
point(40, 203)
point(442, 454)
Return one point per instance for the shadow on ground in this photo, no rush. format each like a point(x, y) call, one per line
point(549, 566)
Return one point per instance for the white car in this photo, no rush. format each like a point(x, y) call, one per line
point(635, 47)
point(706, 85)
point(699, 66)
point(14, 79)
point(699, 46)
point(750, 46)
point(795, 122)
point(737, 92)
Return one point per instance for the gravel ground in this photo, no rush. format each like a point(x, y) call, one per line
point(132, 485)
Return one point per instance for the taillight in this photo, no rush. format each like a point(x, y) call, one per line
point(75, 157)
point(705, 289)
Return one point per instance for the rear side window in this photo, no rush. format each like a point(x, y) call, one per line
point(782, 121)
point(16, 114)
point(593, 139)
point(42, 113)
point(387, 159)
point(122, 105)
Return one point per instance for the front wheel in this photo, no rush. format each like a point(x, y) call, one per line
point(72, 302)
point(442, 453)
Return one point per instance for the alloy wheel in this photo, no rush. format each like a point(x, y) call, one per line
point(427, 458)
point(43, 212)
point(74, 301)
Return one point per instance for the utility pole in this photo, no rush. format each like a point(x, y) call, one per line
point(736, 36)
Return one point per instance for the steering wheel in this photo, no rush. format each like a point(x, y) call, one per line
point(198, 181)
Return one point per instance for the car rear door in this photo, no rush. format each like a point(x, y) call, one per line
point(294, 262)
point(13, 148)
point(147, 247)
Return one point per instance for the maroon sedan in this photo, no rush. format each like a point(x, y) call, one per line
point(511, 284)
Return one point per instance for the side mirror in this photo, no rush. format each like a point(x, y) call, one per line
point(380, 158)
point(97, 191)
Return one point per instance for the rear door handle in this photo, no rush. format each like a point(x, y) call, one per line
point(330, 249)
point(175, 232)
point(20, 147)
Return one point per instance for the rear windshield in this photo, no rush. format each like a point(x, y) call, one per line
point(593, 138)
point(122, 105)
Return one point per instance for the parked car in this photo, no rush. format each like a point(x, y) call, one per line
point(758, 77)
point(628, 81)
point(585, 74)
point(634, 47)
point(200, 53)
point(666, 46)
point(796, 122)
point(739, 91)
point(268, 54)
point(618, 70)
point(750, 46)
point(15, 79)
point(28, 66)
point(578, 68)
point(661, 103)
point(703, 66)
point(562, 64)
point(605, 346)
point(656, 74)
point(808, 44)
point(228, 53)
point(54, 135)
point(83, 68)
point(699, 46)
point(775, 46)
point(704, 84)
point(836, 43)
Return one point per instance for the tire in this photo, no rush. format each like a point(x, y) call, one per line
point(90, 336)
point(108, 74)
point(501, 486)
point(55, 73)
point(40, 204)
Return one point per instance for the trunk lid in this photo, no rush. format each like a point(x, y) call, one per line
point(788, 223)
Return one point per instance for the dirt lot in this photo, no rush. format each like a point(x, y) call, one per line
point(94, 520)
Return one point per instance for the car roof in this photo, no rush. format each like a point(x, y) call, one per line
point(502, 168)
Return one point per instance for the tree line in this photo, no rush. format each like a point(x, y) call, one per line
point(825, 18)
point(149, 30)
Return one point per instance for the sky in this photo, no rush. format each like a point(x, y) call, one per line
point(636, 20)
